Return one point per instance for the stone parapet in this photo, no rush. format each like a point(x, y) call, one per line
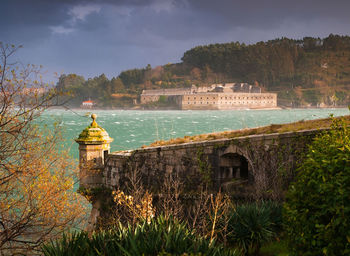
point(250, 167)
point(154, 163)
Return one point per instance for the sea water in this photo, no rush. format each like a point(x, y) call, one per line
point(131, 129)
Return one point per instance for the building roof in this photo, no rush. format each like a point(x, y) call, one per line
point(94, 134)
point(88, 101)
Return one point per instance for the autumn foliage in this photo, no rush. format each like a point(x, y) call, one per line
point(37, 201)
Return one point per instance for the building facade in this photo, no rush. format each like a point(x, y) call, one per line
point(87, 104)
point(216, 97)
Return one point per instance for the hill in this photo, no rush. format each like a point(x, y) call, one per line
point(306, 72)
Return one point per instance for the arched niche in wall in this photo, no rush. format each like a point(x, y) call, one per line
point(232, 166)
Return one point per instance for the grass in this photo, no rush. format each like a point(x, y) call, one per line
point(273, 128)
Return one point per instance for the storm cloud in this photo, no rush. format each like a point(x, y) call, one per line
point(108, 36)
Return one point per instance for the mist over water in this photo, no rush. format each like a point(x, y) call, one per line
point(131, 129)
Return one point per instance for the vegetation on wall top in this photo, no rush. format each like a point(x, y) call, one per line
point(273, 128)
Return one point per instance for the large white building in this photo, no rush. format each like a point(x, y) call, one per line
point(216, 96)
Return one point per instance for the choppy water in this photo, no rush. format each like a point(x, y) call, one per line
point(132, 129)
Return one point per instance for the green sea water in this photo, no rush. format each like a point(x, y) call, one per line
point(131, 129)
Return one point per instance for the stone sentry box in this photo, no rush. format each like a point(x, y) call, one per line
point(94, 147)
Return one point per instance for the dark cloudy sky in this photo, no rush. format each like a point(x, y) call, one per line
point(109, 36)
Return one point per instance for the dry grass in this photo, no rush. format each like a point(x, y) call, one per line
point(273, 128)
point(121, 95)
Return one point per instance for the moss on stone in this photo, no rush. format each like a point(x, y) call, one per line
point(87, 135)
point(94, 133)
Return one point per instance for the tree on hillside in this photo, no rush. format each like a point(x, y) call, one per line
point(277, 64)
point(132, 77)
point(196, 74)
point(71, 87)
point(70, 82)
point(37, 201)
point(117, 85)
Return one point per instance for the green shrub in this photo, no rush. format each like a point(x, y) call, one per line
point(252, 225)
point(159, 237)
point(163, 99)
point(317, 208)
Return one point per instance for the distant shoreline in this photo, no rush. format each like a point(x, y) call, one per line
point(173, 109)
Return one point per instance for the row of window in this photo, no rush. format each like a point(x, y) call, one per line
point(234, 98)
point(200, 98)
point(231, 102)
point(200, 103)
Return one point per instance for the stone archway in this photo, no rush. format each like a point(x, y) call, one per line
point(232, 166)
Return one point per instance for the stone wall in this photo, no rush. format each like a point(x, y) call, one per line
point(265, 164)
point(245, 168)
point(171, 91)
point(153, 95)
point(149, 98)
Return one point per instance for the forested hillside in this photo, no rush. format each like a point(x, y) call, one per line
point(307, 72)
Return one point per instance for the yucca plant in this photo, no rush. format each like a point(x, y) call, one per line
point(275, 209)
point(72, 244)
point(161, 236)
point(251, 225)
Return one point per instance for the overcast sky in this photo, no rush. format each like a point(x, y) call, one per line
point(109, 36)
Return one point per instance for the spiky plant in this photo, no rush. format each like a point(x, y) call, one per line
point(251, 225)
point(165, 236)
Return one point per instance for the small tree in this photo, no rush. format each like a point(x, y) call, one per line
point(317, 210)
point(37, 201)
